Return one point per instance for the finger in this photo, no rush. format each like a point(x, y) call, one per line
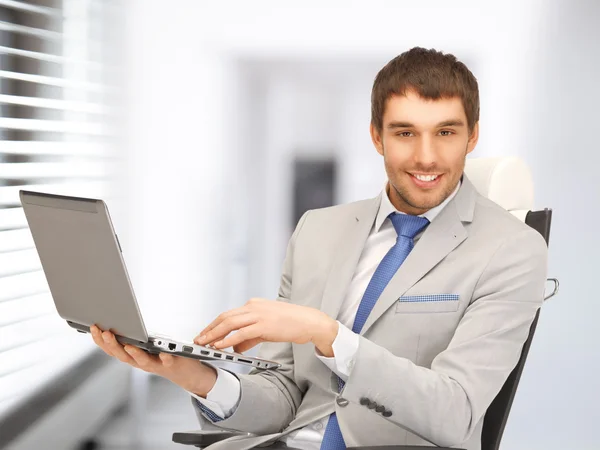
point(97, 337)
point(227, 326)
point(248, 333)
point(247, 345)
point(202, 339)
point(143, 360)
point(220, 319)
point(167, 360)
point(117, 349)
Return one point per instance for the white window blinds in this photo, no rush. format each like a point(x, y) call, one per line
point(54, 137)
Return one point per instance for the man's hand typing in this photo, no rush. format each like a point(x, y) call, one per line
point(262, 320)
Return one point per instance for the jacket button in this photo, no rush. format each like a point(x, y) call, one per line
point(380, 409)
point(341, 401)
point(365, 401)
point(372, 405)
point(386, 413)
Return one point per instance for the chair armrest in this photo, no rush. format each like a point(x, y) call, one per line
point(400, 447)
point(204, 438)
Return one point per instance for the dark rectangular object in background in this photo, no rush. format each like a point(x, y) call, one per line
point(314, 185)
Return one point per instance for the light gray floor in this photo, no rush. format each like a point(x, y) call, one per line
point(168, 410)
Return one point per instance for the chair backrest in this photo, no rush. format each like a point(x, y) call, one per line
point(508, 182)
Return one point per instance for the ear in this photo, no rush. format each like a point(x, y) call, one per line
point(376, 138)
point(472, 142)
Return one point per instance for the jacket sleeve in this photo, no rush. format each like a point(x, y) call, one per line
point(223, 398)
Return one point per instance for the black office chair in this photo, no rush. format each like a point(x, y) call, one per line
point(507, 181)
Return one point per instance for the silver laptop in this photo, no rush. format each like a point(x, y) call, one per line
point(81, 258)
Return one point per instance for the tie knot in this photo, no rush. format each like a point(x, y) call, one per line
point(407, 225)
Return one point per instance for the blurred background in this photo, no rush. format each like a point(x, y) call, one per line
point(210, 127)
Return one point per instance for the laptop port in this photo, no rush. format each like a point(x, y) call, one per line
point(188, 349)
point(217, 355)
point(229, 358)
point(244, 360)
point(204, 352)
point(172, 346)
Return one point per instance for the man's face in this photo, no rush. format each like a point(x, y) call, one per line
point(424, 144)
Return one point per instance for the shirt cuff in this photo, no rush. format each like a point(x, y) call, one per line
point(223, 398)
point(345, 347)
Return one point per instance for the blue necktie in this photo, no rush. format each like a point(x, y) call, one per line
point(407, 228)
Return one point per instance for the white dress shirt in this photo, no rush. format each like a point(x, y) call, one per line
point(225, 395)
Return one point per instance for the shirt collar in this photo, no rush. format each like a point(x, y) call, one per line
point(386, 207)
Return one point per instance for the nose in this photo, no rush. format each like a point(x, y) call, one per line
point(424, 154)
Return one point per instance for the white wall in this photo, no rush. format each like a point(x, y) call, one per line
point(213, 90)
point(559, 394)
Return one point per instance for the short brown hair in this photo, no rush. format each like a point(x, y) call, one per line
point(429, 73)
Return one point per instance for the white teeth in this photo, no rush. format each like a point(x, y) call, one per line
point(426, 177)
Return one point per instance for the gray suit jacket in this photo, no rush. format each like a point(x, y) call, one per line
point(435, 361)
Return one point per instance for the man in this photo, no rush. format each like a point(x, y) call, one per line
point(399, 318)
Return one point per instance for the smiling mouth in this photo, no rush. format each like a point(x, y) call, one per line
point(426, 181)
point(426, 177)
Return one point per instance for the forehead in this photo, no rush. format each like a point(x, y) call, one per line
point(422, 112)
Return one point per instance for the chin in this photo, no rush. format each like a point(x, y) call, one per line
point(426, 202)
point(425, 206)
point(420, 200)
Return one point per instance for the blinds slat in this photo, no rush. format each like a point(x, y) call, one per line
point(53, 104)
point(12, 218)
point(52, 148)
point(38, 32)
point(33, 55)
point(48, 57)
point(22, 285)
point(26, 308)
point(33, 316)
point(21, 261)
point(15, 240)
point(20, 171)
point(53, 126)
point(52, 81)
point(22, 6)
point(10, 195)
point(21, 333)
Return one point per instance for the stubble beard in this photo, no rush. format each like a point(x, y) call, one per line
point(404, 194)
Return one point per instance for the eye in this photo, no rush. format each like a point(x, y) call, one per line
point(404, 134)
point(446, 132)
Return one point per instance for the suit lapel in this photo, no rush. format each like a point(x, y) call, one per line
point(348, 251)
point(442, 236)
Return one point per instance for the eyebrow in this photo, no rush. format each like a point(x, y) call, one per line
point(445, 123)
